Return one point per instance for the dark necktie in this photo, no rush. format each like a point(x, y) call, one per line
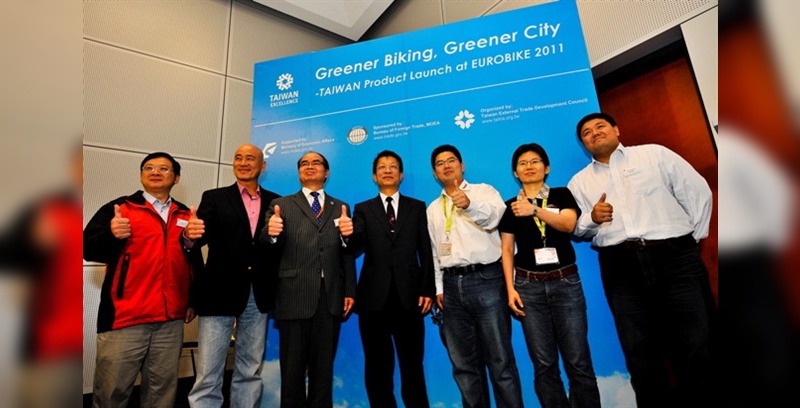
point(390, 213)
point(315, 207)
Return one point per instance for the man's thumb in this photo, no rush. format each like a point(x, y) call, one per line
point(192, 212)
point(456, 185)
point(117, 211)
point(602, 198)
point(277, 211)
point(344, 211)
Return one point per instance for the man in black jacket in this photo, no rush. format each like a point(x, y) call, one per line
point(237, 285)
point(396, 286)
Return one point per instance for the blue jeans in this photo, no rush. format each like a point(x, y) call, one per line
point(662, 305)
point(477, 332)
point(555, 321)
point(214, 338)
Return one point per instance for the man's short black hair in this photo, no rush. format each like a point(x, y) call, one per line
point(444, 148)
point(387, 153)
point(176, 167)
point(593, 116)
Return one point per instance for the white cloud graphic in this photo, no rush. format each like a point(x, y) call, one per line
point(271, 380)
point(616, 391)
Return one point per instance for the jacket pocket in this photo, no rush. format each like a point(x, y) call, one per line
point(123, 274)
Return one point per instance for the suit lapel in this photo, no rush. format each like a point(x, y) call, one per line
point(329, 210)
point(379, 212)
point(300, 200)
point(263, 212)
point(235, 196)
point(402, 211)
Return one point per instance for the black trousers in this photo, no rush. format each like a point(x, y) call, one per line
point(384, 332)
point(309, 346)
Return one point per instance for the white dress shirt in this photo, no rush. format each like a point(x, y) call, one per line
point(655, 193)
point(473, 234)
point(161, 208)
point(307, 192)
point(395, 202)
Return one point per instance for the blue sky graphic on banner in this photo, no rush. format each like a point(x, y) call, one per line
point(485, 85)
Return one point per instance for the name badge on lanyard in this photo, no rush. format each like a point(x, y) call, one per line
point(545, 255)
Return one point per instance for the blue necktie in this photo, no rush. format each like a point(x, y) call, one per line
point(315, 207)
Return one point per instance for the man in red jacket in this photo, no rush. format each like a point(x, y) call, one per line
point(145, 295)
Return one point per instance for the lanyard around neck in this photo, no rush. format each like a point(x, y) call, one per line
point(448, 219)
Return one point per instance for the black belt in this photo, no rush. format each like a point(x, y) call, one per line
point(466, 269)
point(641, 243)
point(545, 276)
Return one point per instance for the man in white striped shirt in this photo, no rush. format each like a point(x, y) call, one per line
point(645, 208)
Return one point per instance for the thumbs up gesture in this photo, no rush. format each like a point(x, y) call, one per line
point(345, 223)
point(602, 211)
point(195, 228)
point(120, 226)
point(275, 223)
point(522, 207)
point(460, 199)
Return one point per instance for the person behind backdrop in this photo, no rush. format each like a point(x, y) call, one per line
point(470, 288)
point(544, 288)
point(316, 283)
point(237, 285)
point(144, 300)
point(645, 208)
point(395, 288)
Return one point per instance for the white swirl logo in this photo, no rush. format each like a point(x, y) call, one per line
point(464, 119)
point(284, 82)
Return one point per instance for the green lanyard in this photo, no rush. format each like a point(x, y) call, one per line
point(539, 223)
point(448, 219)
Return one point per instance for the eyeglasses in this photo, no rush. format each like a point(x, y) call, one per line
point(156, 169)
point(392, 167)
point(441, 163)
point(525, 163)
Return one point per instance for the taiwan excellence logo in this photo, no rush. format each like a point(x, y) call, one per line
point(357, 135)
point(285, 96)
point(284, 82)
point(464, 119)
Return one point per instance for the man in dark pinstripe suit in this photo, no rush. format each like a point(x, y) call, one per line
point(316, 283)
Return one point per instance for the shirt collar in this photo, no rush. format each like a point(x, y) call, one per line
point(395, 196)
point(464, 186)
point(243, 189)
point(620, 148)
point(307, 192)
point(154, 201)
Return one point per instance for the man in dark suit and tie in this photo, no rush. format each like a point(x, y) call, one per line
point(395, 288)
point(237, 284)
point(316, 283)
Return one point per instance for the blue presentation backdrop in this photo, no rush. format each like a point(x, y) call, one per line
point(485, 85)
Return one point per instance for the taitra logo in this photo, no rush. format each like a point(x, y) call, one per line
point(284, 82)
point(357, 135)
point(464, 119)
